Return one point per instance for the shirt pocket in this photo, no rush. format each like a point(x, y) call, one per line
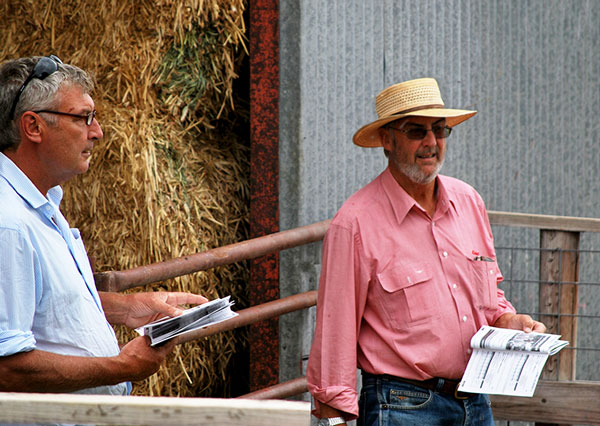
point(484, 280)
point(409, 297)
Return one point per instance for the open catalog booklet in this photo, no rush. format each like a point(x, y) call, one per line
point(200, 316)
point(508, 362)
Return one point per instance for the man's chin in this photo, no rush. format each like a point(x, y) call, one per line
point(425, 179)
point(85, 165)
point(419, 176)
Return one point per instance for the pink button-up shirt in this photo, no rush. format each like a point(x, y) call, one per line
point(401, 293)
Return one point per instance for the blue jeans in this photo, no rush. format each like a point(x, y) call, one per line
point(388, 402)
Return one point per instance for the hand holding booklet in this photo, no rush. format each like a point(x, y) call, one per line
point(200, 316)
point(508, 362)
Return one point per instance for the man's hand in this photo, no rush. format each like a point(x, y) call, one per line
point(520, 322)
point(141, 360)
point(137, 309)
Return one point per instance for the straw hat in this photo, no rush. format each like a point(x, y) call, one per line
point(420, 97)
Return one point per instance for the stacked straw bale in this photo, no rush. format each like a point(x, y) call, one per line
point(170, 176)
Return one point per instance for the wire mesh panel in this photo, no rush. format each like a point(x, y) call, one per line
point(523, 285)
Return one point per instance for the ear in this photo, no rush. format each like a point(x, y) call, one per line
point(31, 127)
point(385, 138)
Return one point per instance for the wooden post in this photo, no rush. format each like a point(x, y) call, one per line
point(559, 261)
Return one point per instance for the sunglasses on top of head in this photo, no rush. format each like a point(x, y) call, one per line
point(44, 67)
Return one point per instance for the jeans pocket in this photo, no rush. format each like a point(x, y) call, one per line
point(401, 399)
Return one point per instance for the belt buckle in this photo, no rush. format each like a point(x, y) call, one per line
point(457, 392)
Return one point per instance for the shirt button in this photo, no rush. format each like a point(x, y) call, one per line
point(454, 286)
point(445, 254)
point(464, 318)
point(469, 351)
point(491, 272)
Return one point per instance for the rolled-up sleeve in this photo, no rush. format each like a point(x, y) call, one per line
point(17, 293)
point(504, 306)
point(331, 372)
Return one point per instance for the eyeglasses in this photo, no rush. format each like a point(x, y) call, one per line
point(45, 66)
point(89, 118)
point(419, 133)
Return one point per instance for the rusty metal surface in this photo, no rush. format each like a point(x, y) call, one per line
point(280, 391)
point(254, 314)
point(250, 249)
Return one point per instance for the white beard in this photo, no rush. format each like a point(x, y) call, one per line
point(414, 172)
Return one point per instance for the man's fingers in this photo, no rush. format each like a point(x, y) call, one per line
point(539, 327)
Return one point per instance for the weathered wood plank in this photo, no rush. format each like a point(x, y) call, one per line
point(553, 402)
point(136, 410)
point(559, 262)
point(541, 221)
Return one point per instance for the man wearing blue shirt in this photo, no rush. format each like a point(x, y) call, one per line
point(55, 327)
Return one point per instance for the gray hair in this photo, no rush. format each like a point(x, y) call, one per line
point(388, 127)
point(38, 95)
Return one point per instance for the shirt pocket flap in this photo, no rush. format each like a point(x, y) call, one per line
point(399, 277)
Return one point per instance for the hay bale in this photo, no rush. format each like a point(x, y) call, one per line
point(170, 176)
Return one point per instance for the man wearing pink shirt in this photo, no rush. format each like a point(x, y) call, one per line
point(409, 274)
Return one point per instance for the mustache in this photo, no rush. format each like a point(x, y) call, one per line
point(428, 151)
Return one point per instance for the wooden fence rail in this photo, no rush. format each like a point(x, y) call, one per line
point(555, 402)
point(139, 410)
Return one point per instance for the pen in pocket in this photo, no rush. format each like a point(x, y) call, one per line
point(483, 258)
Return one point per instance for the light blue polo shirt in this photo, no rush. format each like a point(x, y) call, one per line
point(48, 299)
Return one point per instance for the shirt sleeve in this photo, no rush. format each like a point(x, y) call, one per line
point(17, 292)
point(331, 371)
point(504, 306)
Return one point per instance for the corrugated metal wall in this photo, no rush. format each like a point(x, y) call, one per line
point(530, 67)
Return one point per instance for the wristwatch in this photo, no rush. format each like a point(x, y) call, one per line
point(331, 421)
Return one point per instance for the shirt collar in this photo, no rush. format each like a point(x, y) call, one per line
point(446, 199)
point(402, 203)
point(24, 187)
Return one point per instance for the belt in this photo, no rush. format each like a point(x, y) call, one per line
point(447, 387)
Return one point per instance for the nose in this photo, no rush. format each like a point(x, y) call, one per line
point(95, 131)
point(429, 139)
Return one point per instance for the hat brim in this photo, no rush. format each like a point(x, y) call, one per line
point(368, 135)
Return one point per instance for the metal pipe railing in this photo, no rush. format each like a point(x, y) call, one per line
point(279, 391)
point(254, 314)
point(249, 249)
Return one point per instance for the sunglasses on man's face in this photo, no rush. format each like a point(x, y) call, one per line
point(44, 67)
point(418, 133)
